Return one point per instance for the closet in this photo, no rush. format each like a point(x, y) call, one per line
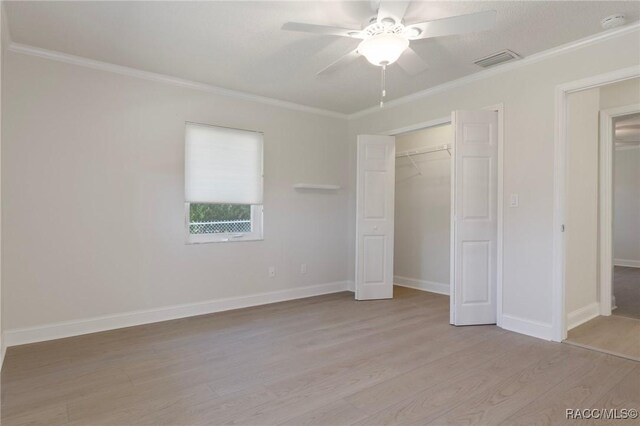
point(423, 209)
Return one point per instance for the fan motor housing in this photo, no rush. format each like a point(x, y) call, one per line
point(383, 28)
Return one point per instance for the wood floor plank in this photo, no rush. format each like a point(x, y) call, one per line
point(515, 392)
point(440, 370)
point(325, 360)
point(613, 334)
point(26, 400)
point(299, 396)
point(306, 359)
point(623, 395)
point(582, 389)
point(430, 403)
point(133, 398)
point(335, 413)
point(46, 415)
point(212, 411)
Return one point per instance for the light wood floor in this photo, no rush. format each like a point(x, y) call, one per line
point(626, 288)
point(326, 360)
point(612, 334)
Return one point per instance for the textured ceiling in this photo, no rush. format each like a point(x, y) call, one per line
point(239, 45)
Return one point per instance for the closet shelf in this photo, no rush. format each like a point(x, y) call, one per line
point(321, 187)
point(425, 150)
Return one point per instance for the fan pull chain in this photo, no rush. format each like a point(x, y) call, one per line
point(383, 84)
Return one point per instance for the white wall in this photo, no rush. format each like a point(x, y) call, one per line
point(3, 37)
point(581, 234)
point(527, 93)
point(93, 193)
point(620, 94)
point(626, 221)
point(423, 211)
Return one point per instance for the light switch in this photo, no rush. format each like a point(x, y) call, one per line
point(514, 200)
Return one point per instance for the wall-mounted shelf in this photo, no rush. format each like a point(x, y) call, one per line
point(316, 186)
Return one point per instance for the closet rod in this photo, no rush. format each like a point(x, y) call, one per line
point(446, 147)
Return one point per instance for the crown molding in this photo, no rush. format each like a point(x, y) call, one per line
point(162, 78)
point(509, 66)
point(175, 81)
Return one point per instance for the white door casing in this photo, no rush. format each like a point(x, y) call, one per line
point(607, 189)
point(374, 217)
point(474, 215)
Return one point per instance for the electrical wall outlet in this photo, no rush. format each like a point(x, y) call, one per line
point(303, 268)
point(272, 271)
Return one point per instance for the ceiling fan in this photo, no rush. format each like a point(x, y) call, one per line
point(386, 38)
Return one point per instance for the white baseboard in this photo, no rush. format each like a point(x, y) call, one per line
point(524, 326)
point(351, 286)
point(110, 322)
point(582, 315)
point(431, 286)
point(613, 302)
point(627, 262)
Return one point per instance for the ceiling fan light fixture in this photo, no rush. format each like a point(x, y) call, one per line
point(383, 49)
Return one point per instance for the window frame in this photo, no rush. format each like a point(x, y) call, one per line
point(257, 213)
point(257, 210)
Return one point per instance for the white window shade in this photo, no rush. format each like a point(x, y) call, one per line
point(222, 165)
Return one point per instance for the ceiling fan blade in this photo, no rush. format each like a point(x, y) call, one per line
point(411, 62)
point(322, 29)
point(392, 9)
point(344, 60)
point(455, 25)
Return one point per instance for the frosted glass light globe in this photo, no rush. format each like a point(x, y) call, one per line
point(383, 49)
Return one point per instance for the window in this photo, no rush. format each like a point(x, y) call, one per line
point(223, 184)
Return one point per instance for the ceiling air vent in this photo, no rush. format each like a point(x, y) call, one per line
point(497, 58)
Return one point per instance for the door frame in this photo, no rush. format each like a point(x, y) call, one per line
point(562, 91)
point(607, 152)
point(499, 108)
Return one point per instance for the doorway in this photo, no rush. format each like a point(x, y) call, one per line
point(602, 213)
point(626, 213)
point(474, 161)
point(422, 237)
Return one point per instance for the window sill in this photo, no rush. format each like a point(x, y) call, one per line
point(208, 239)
